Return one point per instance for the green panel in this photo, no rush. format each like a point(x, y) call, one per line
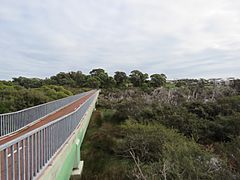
point(67, 165)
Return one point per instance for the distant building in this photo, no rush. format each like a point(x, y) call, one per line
point(221, 81)
point(217, 81)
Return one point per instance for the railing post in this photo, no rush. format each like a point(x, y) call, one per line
point(78, 164)
point(77, 155)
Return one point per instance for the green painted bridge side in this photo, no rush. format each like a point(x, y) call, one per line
point(73, 155)
point(69, 156)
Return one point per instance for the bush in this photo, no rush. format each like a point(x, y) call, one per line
point(163, 153)
point(231, 151)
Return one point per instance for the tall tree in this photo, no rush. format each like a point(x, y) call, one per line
point(79, 78)
point(92, 82)
point(138, 78)
point(120, 78)
point(102, 76)
point(62, 78)
point(158, 80)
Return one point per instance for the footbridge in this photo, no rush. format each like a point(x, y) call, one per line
point(44, 141)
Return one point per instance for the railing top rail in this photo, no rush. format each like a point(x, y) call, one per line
point(22, 110)
point(18, 139)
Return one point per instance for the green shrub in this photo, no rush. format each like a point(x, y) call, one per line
point(163, 153)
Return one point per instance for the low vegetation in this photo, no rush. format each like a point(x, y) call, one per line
point(138, 137)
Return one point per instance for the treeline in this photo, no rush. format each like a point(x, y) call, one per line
point(23, 92)
point(97, 78)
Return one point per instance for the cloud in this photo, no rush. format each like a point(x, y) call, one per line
point(180, 38)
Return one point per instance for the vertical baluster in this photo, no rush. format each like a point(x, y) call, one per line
point(27, 171)
point(1, 125)
point(38, 151)
point(45, 146)
point(24, 160)
point(35, 155)
point(32, 156)
point(7, 121)
point(5, 151)
point(10, 120)
point(12, 162)
point(41, 147)
point(18, 161)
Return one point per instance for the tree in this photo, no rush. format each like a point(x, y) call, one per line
point(110, 82)
point(158, 80)
point(79, 78)
point(157, 151)
point(93, 82)
point(137, 78)
point(102, 77)
point(62, 79)
point(28, 82)
point(120, 78)
point(97, 72)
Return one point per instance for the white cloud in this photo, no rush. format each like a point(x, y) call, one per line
point(180, 38)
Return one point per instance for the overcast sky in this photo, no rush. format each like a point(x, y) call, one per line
point(187, 38)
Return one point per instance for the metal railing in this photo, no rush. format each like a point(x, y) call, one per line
point(11, 122)
point(26, 156)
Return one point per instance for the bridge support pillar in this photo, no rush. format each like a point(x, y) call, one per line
point(78, 165)
point(76, 173)
point(77, 154)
